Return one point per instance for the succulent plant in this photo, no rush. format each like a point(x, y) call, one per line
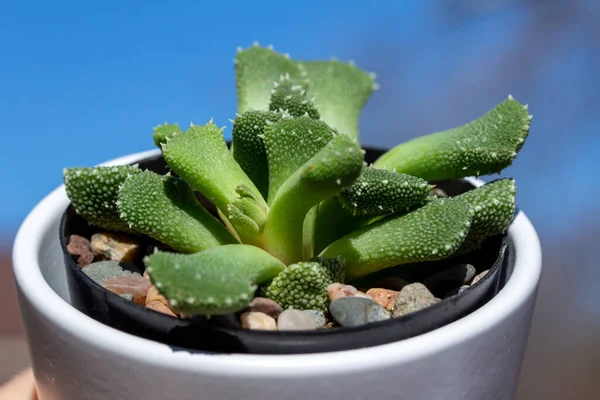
point(297, 206)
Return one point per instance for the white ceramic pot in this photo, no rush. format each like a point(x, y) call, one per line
point(76, 358)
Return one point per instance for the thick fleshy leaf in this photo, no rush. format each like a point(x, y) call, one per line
point(340, 92)
point(256, 68)
point(301, 286)
point(484, 146)
point(200, 156)
point(376, 192)
point(248, 148)
point(290, 143)
point(379, 192)
point(429, 233)
point(93, 192)
point(220, 280)
point(494, 205)
point(162, 132)
point(332, 169)
point(166, 209)
point(290, 96)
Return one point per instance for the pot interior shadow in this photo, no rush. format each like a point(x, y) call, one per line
point(222, 334)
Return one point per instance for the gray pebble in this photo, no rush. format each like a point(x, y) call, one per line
point(318, 317)
point(450, 278)
point(413, 297)
point(356, 311)
point(103, 270)
point(127, 296)
point(295, 320)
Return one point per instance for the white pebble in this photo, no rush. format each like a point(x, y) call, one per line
point(295, 320)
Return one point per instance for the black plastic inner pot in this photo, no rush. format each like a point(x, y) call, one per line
point(223, 335)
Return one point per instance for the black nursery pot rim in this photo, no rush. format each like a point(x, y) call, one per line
point(217, 335)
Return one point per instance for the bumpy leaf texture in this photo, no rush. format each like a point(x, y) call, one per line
point(93, 192)
point(220, 280)
point(432, 232)
point(481, 147)
point(166, 209)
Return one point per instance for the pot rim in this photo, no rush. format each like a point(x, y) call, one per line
point(30, 239)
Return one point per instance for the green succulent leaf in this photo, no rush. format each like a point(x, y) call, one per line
point(162, 132)
point(481, 147)
point(432, 232)
point(309, 233)
point(256, 68)
point(494, 204)
point(301, 286)
point(333, 168)
point(200, 156)
point(379, 192)
point(335, 267)
point(93, 192)
point(166, 209)
point(247, 216)
point(290, 96)
point(247, 146)
point(290, 143)
point(331, 222)
point(376, 192)
point(219, 280)
point(340, 92)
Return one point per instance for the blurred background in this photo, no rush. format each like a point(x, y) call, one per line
point(83, 82)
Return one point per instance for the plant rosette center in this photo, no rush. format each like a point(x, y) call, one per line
point(288, 227)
